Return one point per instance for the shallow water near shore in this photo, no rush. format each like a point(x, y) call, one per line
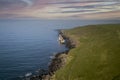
point(26, 45)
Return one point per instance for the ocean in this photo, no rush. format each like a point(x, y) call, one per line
point(26, 45)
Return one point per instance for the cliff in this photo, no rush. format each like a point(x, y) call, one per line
point(96, 56)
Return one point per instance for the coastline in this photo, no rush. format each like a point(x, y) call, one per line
point(90, 45)
point(96, 54)
point(57, 62)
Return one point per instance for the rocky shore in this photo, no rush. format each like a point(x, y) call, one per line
point(58, 61)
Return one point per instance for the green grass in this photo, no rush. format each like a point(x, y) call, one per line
point(97, 56)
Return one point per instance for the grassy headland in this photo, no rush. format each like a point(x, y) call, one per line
point(97, 55)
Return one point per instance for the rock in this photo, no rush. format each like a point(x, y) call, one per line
point(58, 61)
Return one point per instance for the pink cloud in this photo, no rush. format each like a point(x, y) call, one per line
point(59, 9)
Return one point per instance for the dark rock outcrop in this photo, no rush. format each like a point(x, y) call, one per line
point(58, 61)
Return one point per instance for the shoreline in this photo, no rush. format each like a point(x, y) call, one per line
point(92, 51)
point(57, 62)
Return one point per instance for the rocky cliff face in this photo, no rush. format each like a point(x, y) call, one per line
point(58, 61)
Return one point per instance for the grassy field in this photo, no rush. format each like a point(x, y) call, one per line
point(97, 55)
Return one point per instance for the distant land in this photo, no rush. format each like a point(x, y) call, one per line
point(96, 56)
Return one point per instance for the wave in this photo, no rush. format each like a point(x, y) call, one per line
point(28, 74)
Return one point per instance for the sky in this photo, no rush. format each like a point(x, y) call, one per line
point(60, 9)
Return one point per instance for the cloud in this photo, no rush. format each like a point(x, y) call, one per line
point(11, 4)
point(29, 2)
point(60, 9)
point(89, 7)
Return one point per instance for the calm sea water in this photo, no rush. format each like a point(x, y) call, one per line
point(26, 45)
